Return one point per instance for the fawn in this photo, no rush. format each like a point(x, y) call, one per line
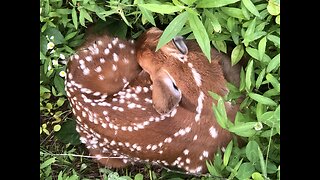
point(135, 104)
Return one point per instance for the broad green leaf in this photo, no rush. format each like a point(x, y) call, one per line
point(262, 46)
point(275, 83)
point(68, 133)
point(60, 101)
point(233, 12)
point(242, 127)
point(273, 7)
point(59, 84)
point(63, 11)
point(237, 54)
point(231, 23)
point(242, 80)
point(260, 109)
point(56, 34)
point(81, 18)
point(147, 14)
point(70, 35)
point(251, 28)
point(268, 133)
point(227, 153)
point(177, 3)
point(213, 20)
point(252, 151)
point(278, 19)
point(274, 39)
point(172, 29)
point(86, 15)
point(56, 127)
point(250, 6)
point(138, 177)
point(200, 34)
point(260, 78)
point(249, 76)
point(221, 108)
point(214, 95)
point(245, 171)
point(245, 11)
point(220, 119)
point(215, 3)
point(275, 62)
point(257, 176)
point(253, 52)
point(47, 163)
point(261, 99)
point(220, 45)
point(161, 8)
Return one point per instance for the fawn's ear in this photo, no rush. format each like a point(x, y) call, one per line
point(180, 44)
point(165, 94)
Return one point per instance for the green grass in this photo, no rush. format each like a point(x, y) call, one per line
point(243, 27)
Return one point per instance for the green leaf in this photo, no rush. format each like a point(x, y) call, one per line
point(260, 109)
point(147, 14)
point(68, 133)
point(215, 3)
point(220, 119)
point(260, 78)
point(274, 39)
point(251, 28)
point(257, 176)
point(262, 99)
point(70, 35)
point(138, 177)
point(56, 34)
point(200, 34)
point(60, 101)
point(220, 45)
point(252, 151)
point(237, 54)
point(262, 163)
point(233, 12)
point(86, 15)
point(47, 163)
point(242, 80)
point(121, 13)
point(227, 153)
point(212, 170)
point(250, 6)
point(59, 84)
point(273, 7)
point(249, 76)
point(278, 19)
point(56, 127)
point(161, 8)
point(253, 52)
point(81, 18)
point(243, 127)
point(213, 20)
point(172, 29)
point(245, 171)
point(262, 46)
point(275, 83)
point(275, 62)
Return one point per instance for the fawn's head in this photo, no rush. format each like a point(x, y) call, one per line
point(179, 71)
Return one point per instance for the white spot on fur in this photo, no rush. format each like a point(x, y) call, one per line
point(196, 76)
point(213, 132)
point(106, 52)
point(200, 106)
point(98, 69)
point(115, 57)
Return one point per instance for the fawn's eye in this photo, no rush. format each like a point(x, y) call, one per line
point(178, 41)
